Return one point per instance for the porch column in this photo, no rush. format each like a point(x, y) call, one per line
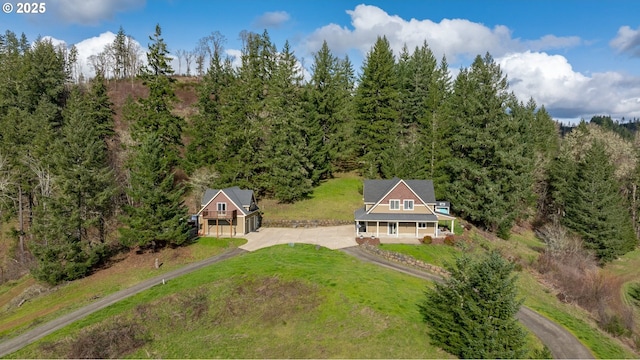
point(452, 226)
point(377, 229)
point(416, 229)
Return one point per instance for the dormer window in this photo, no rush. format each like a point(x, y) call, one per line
point(408, 204)
point(394, 204)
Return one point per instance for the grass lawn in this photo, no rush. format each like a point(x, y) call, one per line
point(280, 302)
point(128, 270)
point(334, 199)
point(432, 254)
point(524, 246)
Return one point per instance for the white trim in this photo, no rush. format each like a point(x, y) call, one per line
point(404, 204)
point(393, 188)
point(221, 203)
point(241, 213)
point(391, 200)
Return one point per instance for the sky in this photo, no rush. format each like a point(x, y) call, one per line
point(577, 58)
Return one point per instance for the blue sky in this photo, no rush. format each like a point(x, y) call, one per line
point(578, 58)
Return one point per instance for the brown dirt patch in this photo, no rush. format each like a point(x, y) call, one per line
point(270, 299)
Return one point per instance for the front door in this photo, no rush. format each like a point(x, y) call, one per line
point(392, 228)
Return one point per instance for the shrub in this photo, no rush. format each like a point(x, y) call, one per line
point(110, 340)
point(427, 239)
point(614, 326)
point(450, 240)
point(634, 293)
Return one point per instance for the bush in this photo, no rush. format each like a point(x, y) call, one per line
point(110, 340)
point(427, 239)
point(450, 240)
point(634, 293)
point(614, 326)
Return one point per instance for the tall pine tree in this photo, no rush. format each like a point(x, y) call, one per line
point(491, 161)
point(377, 127)
point(155, 212)
point(156, 215)
point(594, 208)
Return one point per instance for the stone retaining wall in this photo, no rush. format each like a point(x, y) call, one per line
point(304, 223)
point(404, 259)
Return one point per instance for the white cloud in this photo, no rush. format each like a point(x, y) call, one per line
point(455, 38)
point(532, 72)
point(272, 19)
point(551, 81)
point(92, 46)
point(88, 47)
point(91, 12)
point(55, 42)
point(627, 41)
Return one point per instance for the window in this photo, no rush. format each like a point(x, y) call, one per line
point(408, 204)
point(222, 206)
point(422, 225)
point(394, 204)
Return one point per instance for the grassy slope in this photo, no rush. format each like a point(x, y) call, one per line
point(280, 302)
point(65, 298)
point(335, 199)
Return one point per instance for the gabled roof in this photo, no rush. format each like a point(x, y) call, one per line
point(240, 197)
point(375, 190)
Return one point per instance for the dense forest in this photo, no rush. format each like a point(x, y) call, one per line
point(75, 186)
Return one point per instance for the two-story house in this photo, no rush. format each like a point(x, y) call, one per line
point(228, 212)
point(401, 208)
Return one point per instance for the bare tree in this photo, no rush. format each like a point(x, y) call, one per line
point(180, 53)
point(188, 58)
point(211, 45)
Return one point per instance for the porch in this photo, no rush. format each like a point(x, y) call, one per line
point(221, 223)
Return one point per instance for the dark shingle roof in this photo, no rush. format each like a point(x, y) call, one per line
point(374, 190)
point(239, 196)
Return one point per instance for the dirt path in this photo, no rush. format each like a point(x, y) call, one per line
point(20, 341)
point(561, 343)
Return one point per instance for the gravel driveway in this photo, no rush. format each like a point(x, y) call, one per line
point(332, 237)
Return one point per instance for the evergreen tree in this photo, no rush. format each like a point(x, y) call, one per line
point(156, 215)
point(377, 128)
point(155, 212)
point(210, 129)
point(345, 154)
point(247, 126)
point(156, 109)
point(491, 164)
point(472, 314)
point(71, 218)
point(326, 99)
point(99, 108)
point(595, 210)
point(423, 89)
point(290, 147)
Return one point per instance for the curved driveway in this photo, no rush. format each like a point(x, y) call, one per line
point(561, 343)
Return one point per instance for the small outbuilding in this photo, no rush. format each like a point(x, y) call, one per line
point(228, 212)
